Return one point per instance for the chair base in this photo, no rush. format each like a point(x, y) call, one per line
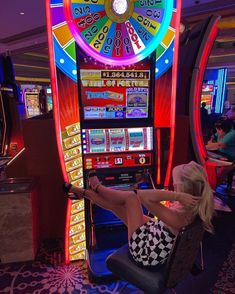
point(97, 269)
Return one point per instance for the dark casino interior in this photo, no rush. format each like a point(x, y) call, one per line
point(130, 89)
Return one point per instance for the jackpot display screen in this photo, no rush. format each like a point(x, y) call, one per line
point(115, 93)
point(117, 140)
point(32, 106)
point(207, 88)
point(207, 96)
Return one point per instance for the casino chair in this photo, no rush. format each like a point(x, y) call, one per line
point(181, 261)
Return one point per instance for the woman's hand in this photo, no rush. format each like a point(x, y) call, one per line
point(188, 200)
point(210, 141)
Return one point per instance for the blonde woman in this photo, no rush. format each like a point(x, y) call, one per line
point(151, 239)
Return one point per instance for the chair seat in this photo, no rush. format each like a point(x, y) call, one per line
point(155, 280)
point(120, 264)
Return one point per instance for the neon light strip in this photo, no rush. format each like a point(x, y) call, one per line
point(197, 93)
point(223, 89)
point(218, 83)
point(56, 112)
point(158, 156)
point(173, 94)
point(214, 96)
point(4, 128)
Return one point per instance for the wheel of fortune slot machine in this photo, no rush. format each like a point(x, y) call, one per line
point(105, 58)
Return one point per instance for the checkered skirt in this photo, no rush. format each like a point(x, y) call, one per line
point(151, 243)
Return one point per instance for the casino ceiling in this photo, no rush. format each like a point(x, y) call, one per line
point(23, 35)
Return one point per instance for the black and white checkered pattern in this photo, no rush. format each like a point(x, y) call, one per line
point(151, 243)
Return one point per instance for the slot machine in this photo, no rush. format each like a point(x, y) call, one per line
point(11, 139)
point(103, 69)
point(117, 141)
point(32, 105)
point(207, 96)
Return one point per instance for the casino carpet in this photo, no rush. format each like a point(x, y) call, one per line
point(226, 278)
point(48, 275)
point(225, 283)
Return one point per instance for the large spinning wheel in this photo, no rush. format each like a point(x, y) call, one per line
point(64, 43)
point(118, 32)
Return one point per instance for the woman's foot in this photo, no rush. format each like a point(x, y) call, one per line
point(66, 187)
point(94, 182)
point(74, 193)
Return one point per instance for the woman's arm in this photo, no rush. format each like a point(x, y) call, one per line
point(171, 217)
point(216, 145)
point(156, 196)
point(151, 199)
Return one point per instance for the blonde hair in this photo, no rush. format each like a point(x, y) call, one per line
point(191, 178)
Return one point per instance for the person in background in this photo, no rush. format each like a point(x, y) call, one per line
point(204, 119)
point(230, 114)
point(43, 101)
point(224, 139)
point(224, 142)
point(151, 239)
point(213, 118)
point(226, 106)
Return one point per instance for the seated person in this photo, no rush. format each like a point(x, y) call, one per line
point(224, 142)
point(150, 239)
point(224, 139)
point(230, 114)
point(213, 118)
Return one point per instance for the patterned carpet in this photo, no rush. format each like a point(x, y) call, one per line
point(48, 275)
point(225, 283)
point(45, 275)
point(226, 278)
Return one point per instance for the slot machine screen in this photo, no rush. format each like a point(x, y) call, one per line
point(207, 96)
point(111, 93)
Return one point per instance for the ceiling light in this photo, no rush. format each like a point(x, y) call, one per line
point(22, 13)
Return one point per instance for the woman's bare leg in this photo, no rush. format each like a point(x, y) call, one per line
point(116, 197)
point(124, 204)
point(118, 210)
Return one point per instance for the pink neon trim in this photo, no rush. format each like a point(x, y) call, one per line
point(57, 115)
point(158, 156)
point(173, 94)
point(197, 94)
